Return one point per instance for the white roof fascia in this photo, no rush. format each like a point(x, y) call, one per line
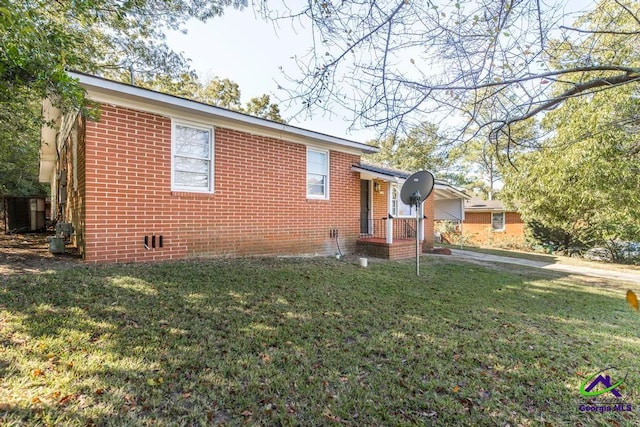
point(48, 140)
point(445, 190)
point(451, 191)
point(102, 90)
point(367, 174)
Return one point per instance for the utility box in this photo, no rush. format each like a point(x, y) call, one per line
point(56, 245)
point(64, 230)
point(24, 214)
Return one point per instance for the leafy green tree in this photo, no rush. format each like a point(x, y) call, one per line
point(18, 157)
point(484, 158)
point(263, 107)
point(422, 148)
point(585, 181)
point(33, 53)
point(185, 85)
point(480, 162)
point(226, 93)
point(40, 40)
point(221, 93)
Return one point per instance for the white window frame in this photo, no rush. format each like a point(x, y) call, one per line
point(395, 202)
point(504, 218)
point(210, 159)
point(395, 197)
point(325, 196)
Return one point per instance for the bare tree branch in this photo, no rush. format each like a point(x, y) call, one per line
point(618, 33)
point(577, 90)
point(469, 64)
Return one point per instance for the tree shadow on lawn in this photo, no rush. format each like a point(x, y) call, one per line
point(276, 341)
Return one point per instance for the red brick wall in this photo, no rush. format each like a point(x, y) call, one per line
point(73, 183)
point(380, 200)
point(259, 206)
point(401, 249)
point(477, 230)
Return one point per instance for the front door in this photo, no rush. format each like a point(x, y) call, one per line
point(365, 206)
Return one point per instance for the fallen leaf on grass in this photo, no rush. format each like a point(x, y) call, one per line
point(265, 357)
point(333, 418)
point(68, 398)
point(632, 299)
point(466, 402)
point(35, 400)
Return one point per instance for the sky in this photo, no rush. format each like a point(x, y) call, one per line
point(244, 48)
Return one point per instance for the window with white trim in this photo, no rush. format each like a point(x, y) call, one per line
point(395, 198)
point(191, 157)
point(317, 174)
point(398, 208)
point(497, 221)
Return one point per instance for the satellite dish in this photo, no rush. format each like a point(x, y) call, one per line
point(417, 188)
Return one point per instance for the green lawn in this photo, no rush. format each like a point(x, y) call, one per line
point(311, 342)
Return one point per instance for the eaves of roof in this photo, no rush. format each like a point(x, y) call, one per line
point(390, 174)
point(98, 87)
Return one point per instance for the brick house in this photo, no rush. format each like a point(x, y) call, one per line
point(160, 177)
point(490, 223)
point(387, 226)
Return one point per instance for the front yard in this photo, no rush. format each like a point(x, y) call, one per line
point(312, 342)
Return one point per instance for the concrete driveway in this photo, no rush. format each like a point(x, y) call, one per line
point(621, 274)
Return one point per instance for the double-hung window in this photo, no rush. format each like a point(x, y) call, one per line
point(398, 208)
point(192, 157)
point(497, 221)
point(317, 174)
point(395, 199)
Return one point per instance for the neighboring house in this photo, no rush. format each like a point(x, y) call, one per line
point(161, 177)
point(388, 226)
point(490, 223)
